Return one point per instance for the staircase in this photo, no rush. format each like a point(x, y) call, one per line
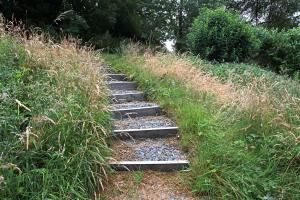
point(144, 139)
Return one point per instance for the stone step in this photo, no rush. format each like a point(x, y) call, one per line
point(121, 96)
point(164, 166)
point(159, 149)
point(148, 149)
point(116, 77)
point(122, 85)
point(146, 133)
point(149, 122)
point(135, 109)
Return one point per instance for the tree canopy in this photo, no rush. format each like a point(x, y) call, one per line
point(153, 21)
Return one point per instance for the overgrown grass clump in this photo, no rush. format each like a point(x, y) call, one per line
point(240, 124)
point(53, 119)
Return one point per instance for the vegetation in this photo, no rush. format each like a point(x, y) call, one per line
point(53, 119)
point(224, 37)
point(221, 36)
point(240, 123)
point(280, 50)
point(278, 14)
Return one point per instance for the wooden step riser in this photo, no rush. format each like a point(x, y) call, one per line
point(122, 86)
point(163, 166)
point(146, 133)
point(117, 77)
point(122, 98)
point(132, 113)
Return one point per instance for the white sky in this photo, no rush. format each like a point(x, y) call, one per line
point(169, 44)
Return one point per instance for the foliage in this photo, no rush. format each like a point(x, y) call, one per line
point(245, 148)
point(79, 18)
point(71, 23)
point(222, 36)
point(280, 50)
point(278, 14)
point(53, 120)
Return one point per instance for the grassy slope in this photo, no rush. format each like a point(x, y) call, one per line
point(53, 121)
point(245, 149)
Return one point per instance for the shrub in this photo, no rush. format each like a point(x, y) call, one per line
point(222, 36)
point(279, 50)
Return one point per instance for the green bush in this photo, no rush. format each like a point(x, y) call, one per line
point(222, 36)
point(279, 50)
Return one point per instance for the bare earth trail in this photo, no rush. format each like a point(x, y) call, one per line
point(147, 159)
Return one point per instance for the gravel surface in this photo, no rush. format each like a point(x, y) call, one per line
point(144, 122)
point(136, 104)
point(148, 149)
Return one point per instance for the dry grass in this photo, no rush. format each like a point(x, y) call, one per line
point(256, 96)
point(180, 69)
point(67, 58)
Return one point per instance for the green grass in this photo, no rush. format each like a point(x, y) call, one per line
point(245, 154)
point(138, 176)
point(52, 133)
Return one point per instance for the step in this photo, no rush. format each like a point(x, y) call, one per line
point(149, 122)
point(148, 149)
point(146, 133)
point(121, 96)
point(135, 109)
point(164, 166)
point(117, 77)
point(159, 149)
point(122, 85)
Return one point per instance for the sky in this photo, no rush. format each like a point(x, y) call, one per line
point(169, 45)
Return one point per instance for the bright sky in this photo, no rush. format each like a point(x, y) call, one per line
point(169, 45)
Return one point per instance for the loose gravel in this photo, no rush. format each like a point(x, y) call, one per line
point(143, 123)
point(136, 104)
point(148, 150)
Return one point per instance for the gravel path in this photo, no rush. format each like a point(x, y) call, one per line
point(143, 122)
point(136, 104)
point(149, 149)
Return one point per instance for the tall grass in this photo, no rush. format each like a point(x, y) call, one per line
point(53, 118)
point(240, 126)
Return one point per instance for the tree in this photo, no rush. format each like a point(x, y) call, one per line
point(158, 20)
point(187, 11)
point(33, 12)
point(280, 14)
